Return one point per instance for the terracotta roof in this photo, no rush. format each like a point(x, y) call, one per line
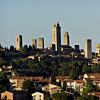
point(95, 79)
point(62, 77)
point(79, 81)
point(96, 94)
point(43, 80)
point(29, 78)
point(69, 80)
point(95, 74)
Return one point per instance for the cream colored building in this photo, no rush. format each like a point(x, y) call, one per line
point(37, 96)
point(88, 49)
point(34, 42)
point(7, 95)
point(17, 82)
point(15, 95)
point(41, 43)
point(98, 49)
point(51, 88)
point(56, 37)
point(18, 42)
point(66, 38)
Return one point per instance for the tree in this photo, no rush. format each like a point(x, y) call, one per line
point(28, 85)
point(4, 82)
point(90, 87)
point(53, 80)
point(60, 96)
point(96, 68)
point(64, 86)
point(74, 71)
point(86, 69)
point(73, 75)
point(24, 50)
point(87, 97)
point(12, 48)
point(2, 62)
point(30, 48)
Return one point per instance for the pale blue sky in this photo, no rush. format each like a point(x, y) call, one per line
point(35, 18)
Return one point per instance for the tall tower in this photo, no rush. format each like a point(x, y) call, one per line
point(88, 49)
point(34, 42)
point(56, 37)
point(98, 49)
point(66, 38)
point(18, 42)
point(41, 43)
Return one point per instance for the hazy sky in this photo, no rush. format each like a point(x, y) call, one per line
point(35, 18)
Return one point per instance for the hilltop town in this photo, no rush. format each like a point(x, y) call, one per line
point(59, 72)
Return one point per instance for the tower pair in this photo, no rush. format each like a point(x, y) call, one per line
point(56, 37)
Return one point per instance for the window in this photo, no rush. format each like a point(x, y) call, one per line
point(17, 39)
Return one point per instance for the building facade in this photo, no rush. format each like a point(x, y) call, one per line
point(98, 49)
point(66, 38)
point(34, 42)
point(56, 37)
point(37, 96)
point(18, 42)
point(41, 43)
point(88, 49)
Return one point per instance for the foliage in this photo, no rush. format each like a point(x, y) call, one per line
point(24, 50)
point(90, 87)
point(96, 68)
point(64, 86)
point(60, 96)
point(74, 73)
point(3, 62)
point(12, 48)
point(28, 85)
point(87, 97)
point(4, 82)
point(86, 69)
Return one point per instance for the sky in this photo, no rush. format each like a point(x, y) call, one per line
point(35, 18)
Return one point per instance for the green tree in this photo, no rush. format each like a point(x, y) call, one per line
point(3, 61)
point(96, 68)
point(28, 85)
point(87, 97)
point(73, 75)
point(64, 86)
point(90, 87)
point(4, 82)
point(60, 96)
point(86, 69)
point(24, 50)
point(12, 48)
point(74, 71)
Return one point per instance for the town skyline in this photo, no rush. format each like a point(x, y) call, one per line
point(49, 46)
point(35, 19)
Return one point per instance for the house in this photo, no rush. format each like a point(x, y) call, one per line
point(37, 96)
point(69, 83)
point(96, 60)
point(90, 76)
point(79, 85)
point(51, 88)
point(61, 78)
point(17, 82)
point(15, 95)
point(97, 94)
point(95, 78)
